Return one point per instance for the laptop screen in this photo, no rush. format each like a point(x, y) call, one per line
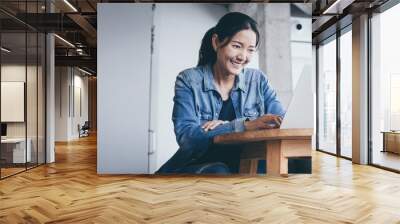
point(300, 112)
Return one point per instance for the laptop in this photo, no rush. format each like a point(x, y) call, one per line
point(301, 109)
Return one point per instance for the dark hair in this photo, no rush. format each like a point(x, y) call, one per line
point(230, 24)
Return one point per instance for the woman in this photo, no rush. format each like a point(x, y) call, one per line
point(221, 96)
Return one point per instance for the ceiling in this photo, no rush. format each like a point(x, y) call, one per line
point(76, 22)
point(332, 15)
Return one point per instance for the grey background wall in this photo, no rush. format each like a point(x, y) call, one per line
point(123, 84)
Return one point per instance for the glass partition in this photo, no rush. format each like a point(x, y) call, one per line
point(13, 110)
point(22, 88)
point(41, 87)
point(346, 93)
point(327, 96)
point(32, 95)
point(385, 89)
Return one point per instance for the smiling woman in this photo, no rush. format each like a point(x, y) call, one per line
point(221, 96)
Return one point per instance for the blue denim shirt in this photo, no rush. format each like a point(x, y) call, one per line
point(197, 101)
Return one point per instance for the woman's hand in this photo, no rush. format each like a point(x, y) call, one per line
point(210, 125)
point(267, 121)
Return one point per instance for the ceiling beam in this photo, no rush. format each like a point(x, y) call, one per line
point(85, 61)
point(86, 27)
point(337, 7)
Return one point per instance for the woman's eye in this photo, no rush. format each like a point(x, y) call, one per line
point(236, 46)
point(251, 50)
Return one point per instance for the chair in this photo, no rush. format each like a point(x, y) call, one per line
point(84, 130)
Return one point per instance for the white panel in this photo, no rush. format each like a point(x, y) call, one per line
point(123, 56)
point(12, 101)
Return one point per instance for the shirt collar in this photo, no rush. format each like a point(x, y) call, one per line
point(208, 80)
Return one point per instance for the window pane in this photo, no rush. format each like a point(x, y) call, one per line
point(31, 100)
point(386, 89)
point(14, 152)
point(346, 94)
point(41, 98)
point(22, 90)
point(327, 97)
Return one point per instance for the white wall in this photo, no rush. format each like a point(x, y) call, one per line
point(177, 43)
point(61, 104)
point(301, 47)
point(302, 62)
point(33, 126)
point(80, 115)
point(16, 72)
point(66, 121)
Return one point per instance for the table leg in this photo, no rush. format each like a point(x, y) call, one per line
point(250, 156)
point(248, 166)
point(293, 148)
point(277, 164)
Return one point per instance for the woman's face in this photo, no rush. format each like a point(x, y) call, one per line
point(235, 55)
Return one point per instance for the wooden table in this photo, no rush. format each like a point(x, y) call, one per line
point(274, 145)
point(391, 141)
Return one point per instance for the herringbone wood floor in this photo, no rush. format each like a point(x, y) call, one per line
point(70, 191)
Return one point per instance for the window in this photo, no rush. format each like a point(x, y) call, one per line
point(22, 66)
point(346, 94)
point(327, 96)
point(385, 88)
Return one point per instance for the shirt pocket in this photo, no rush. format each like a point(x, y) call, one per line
point(205, 116)
point(251, 112)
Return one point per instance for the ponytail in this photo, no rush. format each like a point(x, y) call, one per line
point(207, 55)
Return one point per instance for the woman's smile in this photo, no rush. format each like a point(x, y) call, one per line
point(236, 64)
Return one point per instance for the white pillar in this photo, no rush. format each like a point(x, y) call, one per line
point(63, 103)
point(50, 99)
point(249, 9)
point(360, 90)
point(274, 46)
point(275, 55)
point(50, 92)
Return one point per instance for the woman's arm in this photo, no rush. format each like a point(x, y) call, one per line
point(189, 133)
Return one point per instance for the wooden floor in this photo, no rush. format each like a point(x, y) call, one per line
point(5, 172)
point(386, 159)
point(70, 191)
point(8, 171)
